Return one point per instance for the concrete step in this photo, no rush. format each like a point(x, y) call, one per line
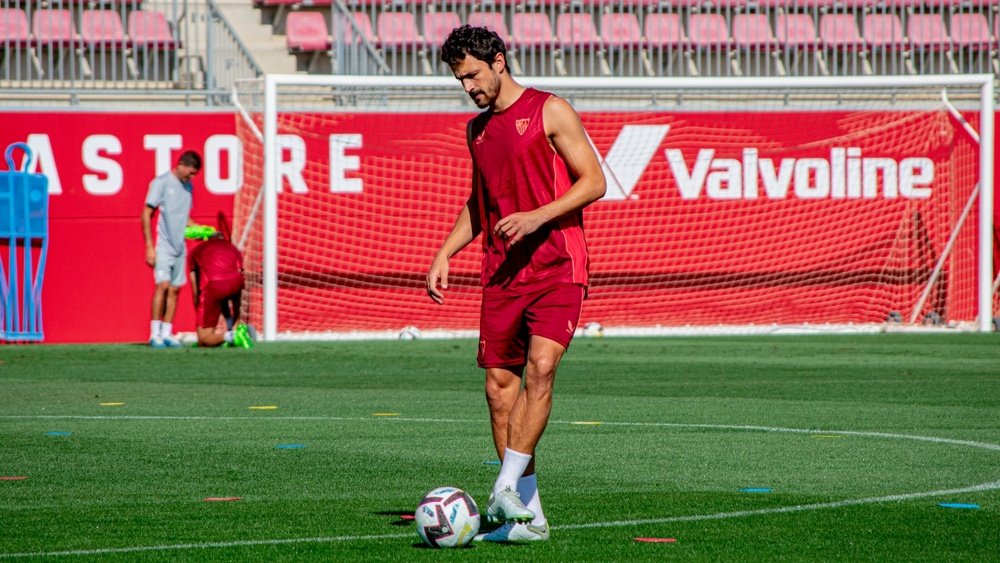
point(268, 49)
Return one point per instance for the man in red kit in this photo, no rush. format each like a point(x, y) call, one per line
point(216, 268)
point(534, 170)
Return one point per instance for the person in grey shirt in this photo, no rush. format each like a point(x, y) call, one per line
point(170, 194)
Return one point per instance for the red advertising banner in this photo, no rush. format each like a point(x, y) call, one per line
point(699, 204)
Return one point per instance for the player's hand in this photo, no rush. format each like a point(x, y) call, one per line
point(437, 273)
point(516, 226)
point(150, 256)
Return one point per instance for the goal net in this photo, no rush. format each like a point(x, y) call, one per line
point(733, 205)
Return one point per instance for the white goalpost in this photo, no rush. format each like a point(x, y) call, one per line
point(734, 205)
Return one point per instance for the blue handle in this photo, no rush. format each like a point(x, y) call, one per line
point(29, 156)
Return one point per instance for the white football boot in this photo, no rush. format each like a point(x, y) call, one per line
point(506, 506)
point(516, 532)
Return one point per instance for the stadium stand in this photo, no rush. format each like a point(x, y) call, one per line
point(137, 43)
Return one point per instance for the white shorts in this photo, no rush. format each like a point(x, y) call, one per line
point(170, 268)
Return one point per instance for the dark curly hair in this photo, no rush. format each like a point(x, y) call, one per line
point(479, 42)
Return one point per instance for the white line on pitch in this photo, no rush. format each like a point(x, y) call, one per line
point(743, 427)
point(613, 524)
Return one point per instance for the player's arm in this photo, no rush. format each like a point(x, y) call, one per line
point(147, 234)
point(464, 231)
point(565, 131)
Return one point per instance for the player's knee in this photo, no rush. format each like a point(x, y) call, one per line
point(542, 365)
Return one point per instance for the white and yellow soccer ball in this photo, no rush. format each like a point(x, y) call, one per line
point(447, 517)
point(593, 330)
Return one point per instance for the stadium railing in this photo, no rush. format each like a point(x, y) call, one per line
point(663, 38)
point(119, 49)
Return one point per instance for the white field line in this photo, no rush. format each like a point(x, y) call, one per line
point(989, 486)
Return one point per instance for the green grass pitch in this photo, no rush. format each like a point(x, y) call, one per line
point(858, 439)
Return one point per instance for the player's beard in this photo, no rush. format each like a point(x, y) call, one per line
point(487, 96)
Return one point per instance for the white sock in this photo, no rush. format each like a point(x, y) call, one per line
point(514, 464)
point(527, 487)
point(166, 330)
point(154, 329)
point(228, 337)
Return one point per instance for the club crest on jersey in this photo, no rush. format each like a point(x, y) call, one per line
point(479, 139)
point(522, 125)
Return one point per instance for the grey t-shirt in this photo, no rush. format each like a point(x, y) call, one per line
point(173, 198)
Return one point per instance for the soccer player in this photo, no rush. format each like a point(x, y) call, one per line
point(170, 194)
point(217, 283)
point(534, 170)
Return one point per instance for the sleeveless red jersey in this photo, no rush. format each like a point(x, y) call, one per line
point(515, 168)
point(216, 259)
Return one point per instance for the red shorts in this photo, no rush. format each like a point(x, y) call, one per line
point(213, 296)
point(506, 324)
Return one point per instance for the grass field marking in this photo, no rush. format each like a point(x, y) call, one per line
point(612, 524)
point(743, 427)
point(202, 545)
point(993, 485)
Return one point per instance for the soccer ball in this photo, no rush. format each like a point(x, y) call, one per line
point(447, 517)
point(593, 330)
point(409, 333)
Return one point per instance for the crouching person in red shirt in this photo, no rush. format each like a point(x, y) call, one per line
point(216, 269)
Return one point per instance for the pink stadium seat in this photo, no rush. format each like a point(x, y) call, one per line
point(839, 31)
point(306, 32)
point(753, 31)
point(883, 31)
point(398, 29)
point(490, 20)
point(708, 31)
point(102, 28)
point(970, 30)
point(53, 27)
point(663, 30)
point(14, 27)
point(796, 30)
point(927, 31)
point(437, 26)
point(149, 29)
point(576, 29)
point(345, 32)
point(620, 29)
point(532, 29)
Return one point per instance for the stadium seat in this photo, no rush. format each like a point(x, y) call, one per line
point(307, 38)
point(532, 29)
point(796, 33)
point(580, 43)
point(845, 48)
point(437, 26)
point(756, 45)
point(104, 45)
point(883, 35)
point(153, 44)
point(534, 42)
point(56, 39)
point(665, 40)
point(306, 32)
point(401, 43)
point(361, 30)
point(16, 42)
point(398, 30)
point(971, 35)
point(622, 39)
point(710, 42)
point(491, 20)
point(930, 43)
point(150, 28)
